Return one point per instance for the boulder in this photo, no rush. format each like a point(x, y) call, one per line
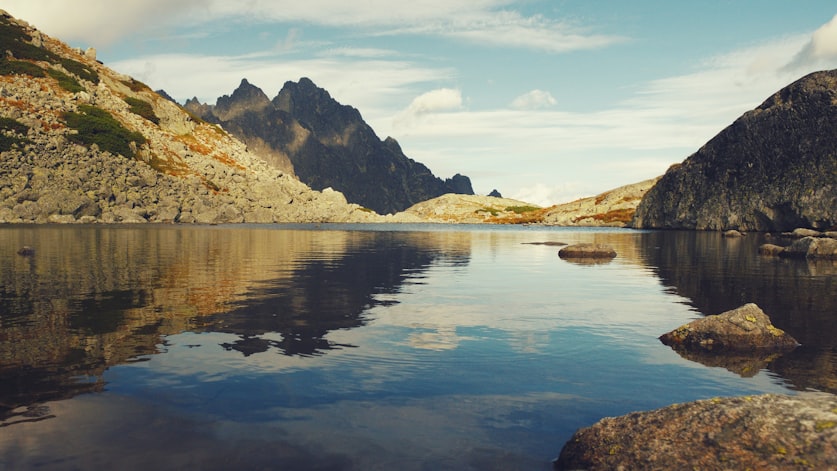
point(812, 247)
point(801, 232)
point(732, 233)
point(587, 250)
point(764, 432)
point(746, 328)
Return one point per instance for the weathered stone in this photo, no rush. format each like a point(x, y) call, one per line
point(823, 248)
point(801, 232)
point(587, 250)
point(732, 233)
point(742, 329)
point(766, 432)
point(771, 170)
point(770, 249)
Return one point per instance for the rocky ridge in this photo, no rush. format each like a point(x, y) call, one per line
point(327, 145)
point(475, 209)
point(773, 169)
point(62, 117)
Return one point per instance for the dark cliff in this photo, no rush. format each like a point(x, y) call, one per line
point(327, 144)
point(773, 169)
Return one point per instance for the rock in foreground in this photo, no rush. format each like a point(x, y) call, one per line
point(767, 432)
point(741, 329)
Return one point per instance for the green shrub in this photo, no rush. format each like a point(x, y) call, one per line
point(13, 67)
point(97, 126)
point(65, 81)
point(142, 108)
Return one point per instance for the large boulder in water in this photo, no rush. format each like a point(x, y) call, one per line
point(812, 247)
point(771, 170)
point(766, 432)
point(742, 329)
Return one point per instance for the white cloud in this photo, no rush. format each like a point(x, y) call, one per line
point(435, 101)
point(479, 21)
point(534, 99)
point(511, 29)
point(821, 49)
point(100, 22)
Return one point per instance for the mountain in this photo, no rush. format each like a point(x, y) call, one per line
point(82, 143)
point(773, 169)
point(327, 145)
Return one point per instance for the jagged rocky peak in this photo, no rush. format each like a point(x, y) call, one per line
point(328, 145)
point(247, 97)
point(771, 170)
point(315, 107)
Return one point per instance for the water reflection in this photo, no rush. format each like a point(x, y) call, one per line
point(359, 349)
point(94, 297)
point(718, 274)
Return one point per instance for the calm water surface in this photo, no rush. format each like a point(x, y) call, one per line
point(369, 347)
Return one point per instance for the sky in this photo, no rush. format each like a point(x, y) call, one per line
point(545, 101)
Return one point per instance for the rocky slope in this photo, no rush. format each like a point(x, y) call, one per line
point(773, 169)
point(475, 209)
point(327, 145)
point(613, 208)
point(82, 143)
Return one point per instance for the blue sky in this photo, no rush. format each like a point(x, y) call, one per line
point(545, 101)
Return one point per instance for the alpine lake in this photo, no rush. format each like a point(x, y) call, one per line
point(370, 347)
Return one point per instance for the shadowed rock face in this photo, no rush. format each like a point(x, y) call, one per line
point(327, 144)
point(773, 169)
point(767, 432)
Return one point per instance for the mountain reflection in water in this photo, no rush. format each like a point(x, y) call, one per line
point(491, 350)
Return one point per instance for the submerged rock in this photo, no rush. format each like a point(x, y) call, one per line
point(770, 249)
point(765, 432)
point(587, 250)
point(742, 329)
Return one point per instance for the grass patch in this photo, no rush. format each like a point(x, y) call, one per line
point(490, 211)
point(522, 209)
point(142, 108)
point(136, 85)
point(13, 67)
point(65, 81)
point(13, 125)
point(79, 70)
point(97, 126)
point(10, 142)
point(15, 39)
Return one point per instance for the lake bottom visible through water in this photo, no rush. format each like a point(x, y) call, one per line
point(409, 347)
